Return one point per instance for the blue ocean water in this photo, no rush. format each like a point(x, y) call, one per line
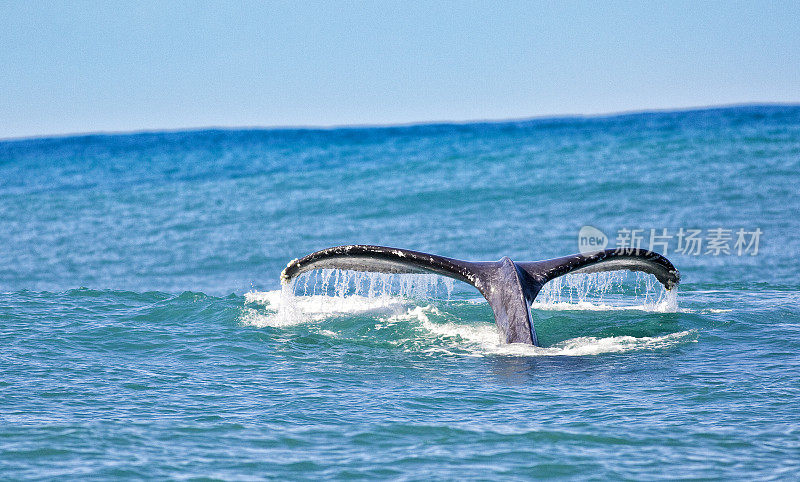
point(143, 332)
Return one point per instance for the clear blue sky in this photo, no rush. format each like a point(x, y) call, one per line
point(118, 66)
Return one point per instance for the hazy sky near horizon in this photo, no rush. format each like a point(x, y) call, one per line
point(119, 66)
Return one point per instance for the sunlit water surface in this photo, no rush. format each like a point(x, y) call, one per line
point(145, 333)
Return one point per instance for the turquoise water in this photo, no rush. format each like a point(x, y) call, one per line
point(144, 333)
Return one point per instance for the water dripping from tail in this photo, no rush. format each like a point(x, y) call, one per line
point(610, 290)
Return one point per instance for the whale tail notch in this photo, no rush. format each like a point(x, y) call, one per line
point(509, 287)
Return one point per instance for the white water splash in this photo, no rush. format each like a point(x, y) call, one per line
point(480, 339)
point(282, 308)
point(320, 294)
point(390, 299)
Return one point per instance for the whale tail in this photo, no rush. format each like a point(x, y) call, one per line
point(509, 287)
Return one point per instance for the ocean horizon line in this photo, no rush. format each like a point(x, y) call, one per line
point(430, 123)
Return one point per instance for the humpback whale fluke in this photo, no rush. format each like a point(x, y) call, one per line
point(509, 287)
